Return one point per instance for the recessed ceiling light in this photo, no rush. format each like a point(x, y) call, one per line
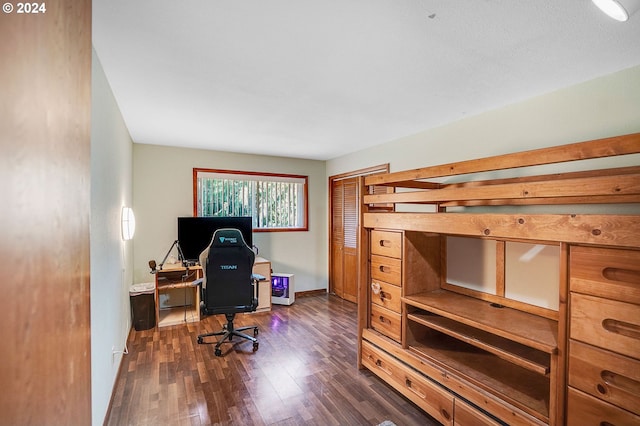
point(620, 10)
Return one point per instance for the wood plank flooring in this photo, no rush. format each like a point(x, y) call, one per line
point(304, 373)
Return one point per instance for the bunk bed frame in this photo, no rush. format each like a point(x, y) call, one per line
point(470, 355)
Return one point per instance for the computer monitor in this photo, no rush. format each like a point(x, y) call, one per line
point(195, 233)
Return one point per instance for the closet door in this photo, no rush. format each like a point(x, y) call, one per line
point(336, 284)
point(344, 238)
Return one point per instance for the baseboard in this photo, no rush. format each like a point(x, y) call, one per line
point(115, 379)
point(311, 293)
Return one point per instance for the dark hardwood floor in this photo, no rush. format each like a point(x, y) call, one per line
point(304, 373)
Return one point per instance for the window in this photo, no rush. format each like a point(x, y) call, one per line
point(276, 202)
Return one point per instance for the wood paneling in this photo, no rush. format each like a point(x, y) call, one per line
point(45, 81)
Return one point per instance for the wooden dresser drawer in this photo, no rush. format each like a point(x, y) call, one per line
point(611, 377)
point(606, 323)
point(386, 243)
point(464, 415)
point(610, 273)
point(386, 322)
point(386, 295)
point(436, 401)
point(585, 410)
point(386, 269)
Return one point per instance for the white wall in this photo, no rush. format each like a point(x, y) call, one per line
point(604, 107)
point(163, 191)
point(607, 106)
point(111, 258)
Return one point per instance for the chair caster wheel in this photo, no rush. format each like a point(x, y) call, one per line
point(255, 346)
point(218, 352)
point(255, 332)
point(200, 340)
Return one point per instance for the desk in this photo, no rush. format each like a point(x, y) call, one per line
point(181, 302)
point(182, 297)
point(262, 266)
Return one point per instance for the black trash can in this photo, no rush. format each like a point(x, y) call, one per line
point(143, 308)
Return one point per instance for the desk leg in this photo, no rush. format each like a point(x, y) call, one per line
point(156, 301)
point(198, 291)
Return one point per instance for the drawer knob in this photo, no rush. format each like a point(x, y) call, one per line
point(602, 389)
point(445, 414)
point(384, 243)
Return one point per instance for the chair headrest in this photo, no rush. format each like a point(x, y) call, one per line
point(228, 237)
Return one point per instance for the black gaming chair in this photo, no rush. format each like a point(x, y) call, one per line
point(231, 287)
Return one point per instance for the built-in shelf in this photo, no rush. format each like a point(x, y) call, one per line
point(503, 351)
point(524, 356)
point(177, 315)
point(187, 306)
point(527, 329)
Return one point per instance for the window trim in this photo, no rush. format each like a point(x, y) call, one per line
point(304, 227)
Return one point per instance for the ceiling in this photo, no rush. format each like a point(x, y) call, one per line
point(317, 79)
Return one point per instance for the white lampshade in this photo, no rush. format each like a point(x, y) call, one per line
point(128, 223)
point(620, 10)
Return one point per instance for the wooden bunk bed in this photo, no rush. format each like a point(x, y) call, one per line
point(503, 301)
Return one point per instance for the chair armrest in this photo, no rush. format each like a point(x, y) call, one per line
point(255, 278)
point(258, 277)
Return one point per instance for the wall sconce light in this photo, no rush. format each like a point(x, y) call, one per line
point(620, 10)
point(128, 223)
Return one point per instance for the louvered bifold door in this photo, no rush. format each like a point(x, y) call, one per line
point(350, 240)
point(337, 238)
point(345, 223)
